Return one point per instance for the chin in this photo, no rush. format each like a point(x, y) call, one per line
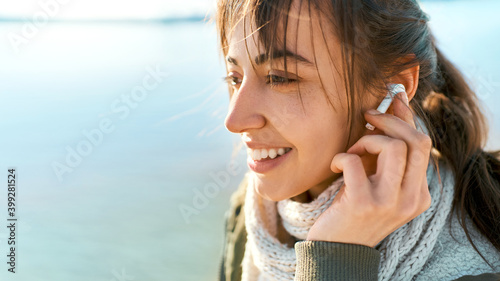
point(274, 193)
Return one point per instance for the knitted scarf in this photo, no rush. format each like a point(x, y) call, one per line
point(403, 253)
point(265, 257)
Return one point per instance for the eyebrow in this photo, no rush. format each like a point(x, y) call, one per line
point(262, 58)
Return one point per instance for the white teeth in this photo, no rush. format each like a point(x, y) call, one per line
point(258, 154)
point(263, 153)
point(272, 153)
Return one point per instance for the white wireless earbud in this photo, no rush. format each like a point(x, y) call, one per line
point(393, 89)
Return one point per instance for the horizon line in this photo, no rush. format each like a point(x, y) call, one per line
point(161, 20)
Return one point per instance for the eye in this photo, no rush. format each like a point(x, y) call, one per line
point(276, 81)
point(232, 79)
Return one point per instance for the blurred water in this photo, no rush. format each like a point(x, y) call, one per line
point(116, 214)
point(118, 208)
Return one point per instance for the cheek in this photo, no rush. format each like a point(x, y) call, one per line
point(287, 114)
point(317, 134)
point(310, 123)
point(321, 140)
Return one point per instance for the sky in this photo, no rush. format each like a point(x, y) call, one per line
point(103, 9)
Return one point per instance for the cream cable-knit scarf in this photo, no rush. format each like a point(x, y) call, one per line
point(265, 257)
point(403, 253)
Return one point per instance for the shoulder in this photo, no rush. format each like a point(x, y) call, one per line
point(454, 257)
point(235, 218)
point(238, 197)
point(235, 241)
point(482, 277)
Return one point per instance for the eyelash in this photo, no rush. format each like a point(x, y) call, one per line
point(273, 80)
point(230, 79)
point(283, 80)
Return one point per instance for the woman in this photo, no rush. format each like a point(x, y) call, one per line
point(327, 199)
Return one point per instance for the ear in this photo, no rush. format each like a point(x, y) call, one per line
point(408, 77)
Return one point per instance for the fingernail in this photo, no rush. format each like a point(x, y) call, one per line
point(373, 112)
point(370, 126)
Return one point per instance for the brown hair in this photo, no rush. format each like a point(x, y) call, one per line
point(374, 35)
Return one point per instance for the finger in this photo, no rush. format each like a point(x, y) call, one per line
point(401, 109)
point(352, 168)
point(339, 194)
point(418, 161)
point(391, 125)
point(395, 127)
point(415, 201)
point(419, 144)
point(392, 157)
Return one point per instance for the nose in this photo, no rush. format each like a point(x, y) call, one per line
point(244, 109)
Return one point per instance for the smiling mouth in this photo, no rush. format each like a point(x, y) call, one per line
point(267, 154)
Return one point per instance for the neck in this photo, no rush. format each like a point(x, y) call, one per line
point(312, 193)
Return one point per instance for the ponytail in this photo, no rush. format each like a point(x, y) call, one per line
point(459, 133)
point(376, 35)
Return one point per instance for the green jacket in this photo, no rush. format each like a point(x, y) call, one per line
point(316, 260)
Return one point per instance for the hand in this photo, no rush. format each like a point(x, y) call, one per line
point(375, 201)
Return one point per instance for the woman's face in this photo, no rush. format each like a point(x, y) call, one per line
point(270, 115)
